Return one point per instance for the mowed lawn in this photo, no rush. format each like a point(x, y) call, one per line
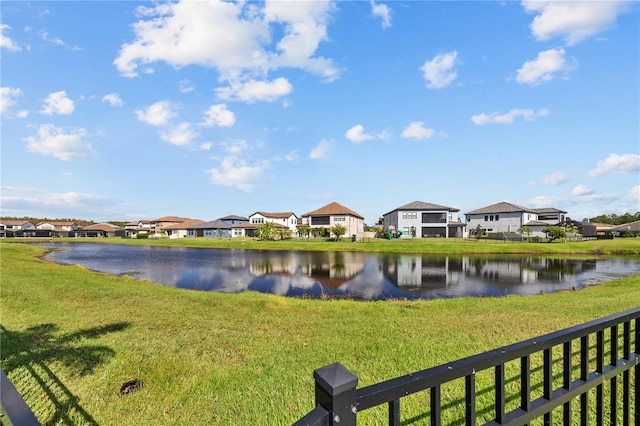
point(71, 337)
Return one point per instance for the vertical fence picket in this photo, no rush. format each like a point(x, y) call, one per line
point(435, 406)
point(584, 376)
point(599, 371)
point(470, 395)
point(613, 383)
point(567, 354)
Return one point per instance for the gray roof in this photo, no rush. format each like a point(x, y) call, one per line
point(214, 224)
point(420, 205)
point(536, 223)
point(631, 226)
point(234, 217)
point(502, 207)
point(548, 210)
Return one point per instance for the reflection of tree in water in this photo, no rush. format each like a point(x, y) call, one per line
point(27, 355)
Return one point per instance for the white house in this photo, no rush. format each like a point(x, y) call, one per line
point(335, 214)
point(286, 219)
point(425, 220)
point(505, 217)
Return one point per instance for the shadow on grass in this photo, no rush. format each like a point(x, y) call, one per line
point(32, 350)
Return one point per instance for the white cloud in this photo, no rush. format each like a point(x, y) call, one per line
point(185, 86)
point(416, 130)
point(509, 117)
point(616, 164)
point(6, 42)
point(253, 90)
point(383, 12)
point(634, 194)
point(219, 115)
point(157, 114)
point(113, 99)
point(206, 146)
point(45, 36)
point(544, 68)
point(181, 135)
point(235, 147)
point(581, 191)
point(439, 72)
point(555, 178)
point(236, 173)
point(356, 134)
point(572, 20)
point(320, 151)
point(55, 141)
point(58, 103)
point(8, 97)
point(241, 40)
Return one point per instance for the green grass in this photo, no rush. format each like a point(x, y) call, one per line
point(71, 337)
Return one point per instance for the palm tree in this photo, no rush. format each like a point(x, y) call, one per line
point(338, 230)
point(265, 231)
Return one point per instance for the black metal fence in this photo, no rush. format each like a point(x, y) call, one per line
point(13, 406)
point(597, 384)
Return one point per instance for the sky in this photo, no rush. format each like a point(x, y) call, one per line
point(123, 111)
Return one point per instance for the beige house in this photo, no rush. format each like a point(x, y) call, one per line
point(335, 214)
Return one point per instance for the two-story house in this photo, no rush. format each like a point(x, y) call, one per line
point(420, 219)
point(334, 214)
point(505, 217)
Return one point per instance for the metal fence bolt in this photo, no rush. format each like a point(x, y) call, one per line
point(336, 419)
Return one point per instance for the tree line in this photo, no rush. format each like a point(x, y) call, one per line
point(614, 219)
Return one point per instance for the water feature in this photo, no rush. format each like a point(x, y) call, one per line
point(358, 275)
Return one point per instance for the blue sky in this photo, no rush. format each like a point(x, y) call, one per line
point(137, 110)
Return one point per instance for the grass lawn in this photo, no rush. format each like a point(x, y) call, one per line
point(71, 337)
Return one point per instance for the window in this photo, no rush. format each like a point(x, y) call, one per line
point(486, 218)
point(497, 217)
point(338, 218)
point(491, 218)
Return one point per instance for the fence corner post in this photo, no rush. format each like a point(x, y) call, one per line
point(336, 393)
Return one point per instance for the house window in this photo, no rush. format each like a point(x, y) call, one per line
point(338, 218)
point(491, 218)
point(486, 218)
point(497, 217)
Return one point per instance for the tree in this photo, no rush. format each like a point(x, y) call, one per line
point(338, 230)
point(570, 228)
point(525, 230)
point(554, 232)
point(478, 232)
point(283, 233)
point(413, 232)
point(304, 231)
point(265, 231)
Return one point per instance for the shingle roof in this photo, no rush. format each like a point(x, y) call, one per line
point(548, 210)
point(502, 207)
point(214, 224)
point(333, 209)
point(255, 225)
point(631, 226)
point(282, 215)
point(188, 223)
point(105, 227)
point(420, 205)
point(233, 217)
point(171, 219)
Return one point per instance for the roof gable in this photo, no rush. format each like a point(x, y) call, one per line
point(502, 207)
point(283, 215)
point(420, 205)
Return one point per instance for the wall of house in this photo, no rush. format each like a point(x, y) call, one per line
point(404, 220)
point(506, 222)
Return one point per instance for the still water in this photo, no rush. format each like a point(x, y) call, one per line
point(368, 276)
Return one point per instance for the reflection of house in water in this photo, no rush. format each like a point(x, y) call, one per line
point(417, 271)
point(524, 270)
point(331, 269)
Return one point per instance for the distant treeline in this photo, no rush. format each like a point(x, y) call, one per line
point(614, 219)
point(79, 222)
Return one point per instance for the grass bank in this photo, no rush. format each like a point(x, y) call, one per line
point(617, 246)
point(71, 337)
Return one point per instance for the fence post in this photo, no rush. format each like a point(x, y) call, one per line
point(336, 393)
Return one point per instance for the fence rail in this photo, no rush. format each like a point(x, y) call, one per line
point(13, 406)
point(338, 401)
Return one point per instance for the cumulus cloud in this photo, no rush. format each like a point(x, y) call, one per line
point(8, 97)
point(234, 172)
point(181, 135)
point(113, 99)
point(439, 72)
point(634, 194)
point(19, 201)
point(416, 130)
point(509, 117)
point(616, 164)
point(241, 40)
point(383, 12)
point(581, 191)
point(157, 114)
point(57, 103)
point(6, 42)
point(59, 143)
point(572, 20)
point(555, 178)
point(252, 90)
point(219, 115)
point(545, 67)
point(320, 151)
point(356, 134)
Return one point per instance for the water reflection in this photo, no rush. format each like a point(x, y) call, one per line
point(369, 276)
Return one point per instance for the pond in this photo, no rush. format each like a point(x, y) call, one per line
point(356, 275)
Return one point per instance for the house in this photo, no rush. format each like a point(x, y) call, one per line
point(179, 230)
point(99, 230)
point(235, 220)
point(215, 229)
point(422, 219)
point(505, 217)
point(159, 225)
point(55, 229)
point(334, 214)
point(16, 227)
point(133, 229)
point(280, 220)
point(630, 229)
